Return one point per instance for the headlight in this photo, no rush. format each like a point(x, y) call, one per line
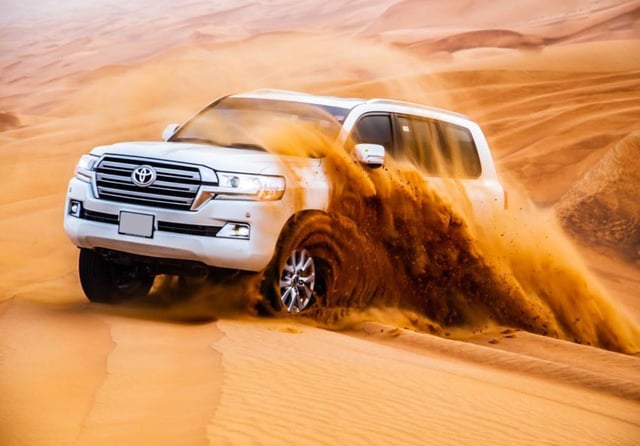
point(249, 187)
point(85, 167)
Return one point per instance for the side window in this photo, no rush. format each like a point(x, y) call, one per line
point(463, 153)
point(420, 142)
point(374, 129)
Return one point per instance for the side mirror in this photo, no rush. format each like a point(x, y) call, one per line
point(371, 155)
point(169, 131)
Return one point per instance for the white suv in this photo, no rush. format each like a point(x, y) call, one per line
point(210, 197)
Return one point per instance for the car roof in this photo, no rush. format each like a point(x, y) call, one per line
point(334, 101)
point(287, 95)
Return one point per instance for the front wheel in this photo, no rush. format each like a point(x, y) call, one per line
point(300, 273)
point(107, 282)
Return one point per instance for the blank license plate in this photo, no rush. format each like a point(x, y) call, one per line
point(140, 225)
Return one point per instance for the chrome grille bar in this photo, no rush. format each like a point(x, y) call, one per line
point(175, 187)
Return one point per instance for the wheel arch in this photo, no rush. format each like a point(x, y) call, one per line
point(293, 221)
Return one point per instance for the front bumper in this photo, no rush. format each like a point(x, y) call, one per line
point(181, 235)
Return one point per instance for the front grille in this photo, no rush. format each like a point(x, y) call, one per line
point(166, 226)
point(175, 187)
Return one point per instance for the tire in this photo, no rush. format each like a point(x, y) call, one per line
point(111, 283)
point(300, 273)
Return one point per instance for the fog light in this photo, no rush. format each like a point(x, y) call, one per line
point(235, 230)
point(75, 208)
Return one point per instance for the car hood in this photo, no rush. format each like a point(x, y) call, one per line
point(216, 157)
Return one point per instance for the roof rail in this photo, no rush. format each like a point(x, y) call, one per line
point(413, 104)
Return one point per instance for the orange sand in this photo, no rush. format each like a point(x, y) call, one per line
point(555, 85)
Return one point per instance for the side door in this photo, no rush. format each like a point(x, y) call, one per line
point(448, 155)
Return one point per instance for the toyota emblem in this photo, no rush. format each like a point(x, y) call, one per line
point(143, 176)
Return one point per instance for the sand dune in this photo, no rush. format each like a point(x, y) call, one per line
point(602, 208)
point(556, 87)
point(302, 384)
point(8, 121)
point(545, 357)
point(552, 22)
point(493, 38)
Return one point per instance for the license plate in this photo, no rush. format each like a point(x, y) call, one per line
point(140, 225)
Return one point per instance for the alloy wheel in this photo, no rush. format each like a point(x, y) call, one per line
point(297, 280)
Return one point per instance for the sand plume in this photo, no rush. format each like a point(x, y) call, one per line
point(395, 242)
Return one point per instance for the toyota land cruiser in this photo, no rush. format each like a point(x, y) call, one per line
point(210, 197)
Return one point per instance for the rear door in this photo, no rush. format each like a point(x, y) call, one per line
point(449, 156)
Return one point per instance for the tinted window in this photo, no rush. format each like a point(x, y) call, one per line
point(463, 154)
point(374, 129)
point(440, 148)
point(420, 142)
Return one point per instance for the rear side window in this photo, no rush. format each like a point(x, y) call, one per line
point(420, 142)
point(374, 129)
point(463, 153)
point(440, 148)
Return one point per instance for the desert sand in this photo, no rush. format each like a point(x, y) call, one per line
point(555, 86)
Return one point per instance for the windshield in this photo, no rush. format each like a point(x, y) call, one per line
point(252, 123)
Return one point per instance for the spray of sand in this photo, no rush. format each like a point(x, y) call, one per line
point(530, 250)
point(396, 243)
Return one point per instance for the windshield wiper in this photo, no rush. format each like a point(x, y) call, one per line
point(247, 145)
